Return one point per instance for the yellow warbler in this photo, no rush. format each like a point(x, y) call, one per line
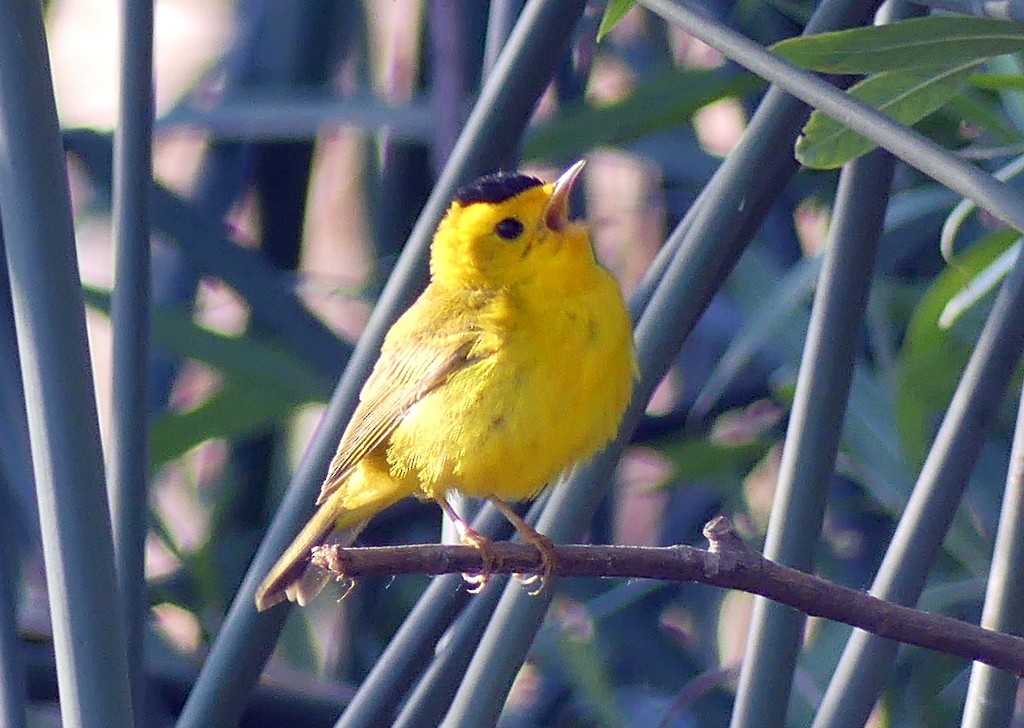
point(514, 363)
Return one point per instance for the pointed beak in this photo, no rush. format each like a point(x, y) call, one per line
point(557, 214)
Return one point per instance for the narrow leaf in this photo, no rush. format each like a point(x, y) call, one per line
point(615, 12)
point(979, 286)
point(666, 101)
point(933, 357)
point(588, 671)
point(790, 296)
point(907, 96)
point(998, 81)
point(983, 116)
point(231, 412)
point(963, 209)
point(874, 458)
point(938, 41)
point(699, 458)
point(245, 358)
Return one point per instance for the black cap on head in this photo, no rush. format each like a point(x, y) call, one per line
point(496, 188)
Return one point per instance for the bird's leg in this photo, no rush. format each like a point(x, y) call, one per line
point(471, 537)
point(529, 534)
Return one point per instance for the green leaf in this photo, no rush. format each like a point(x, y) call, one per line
point(257, 360)
point(907, 96)
point(587, 668)
point(874, 458)
point(615, 12)
point(932, 42)
point(699, 458)
point(796, 10)
point(666, 101)
point(265, 381)
point(998, 81)
point(948, 593)
point(969, 108)
point(932, 357)
point(234, 410)
point(980, 286)
point(963, 209)
point(789, 297)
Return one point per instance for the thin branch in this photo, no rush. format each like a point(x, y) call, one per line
point(728, 562)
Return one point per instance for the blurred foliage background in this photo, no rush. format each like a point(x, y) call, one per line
point(295, 146)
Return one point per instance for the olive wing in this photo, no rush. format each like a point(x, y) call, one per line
point(419, 354)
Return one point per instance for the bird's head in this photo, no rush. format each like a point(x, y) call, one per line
point(506, 228)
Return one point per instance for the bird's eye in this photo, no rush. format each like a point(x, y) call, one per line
point(509, 228)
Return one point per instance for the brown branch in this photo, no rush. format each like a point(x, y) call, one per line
point(728, 562)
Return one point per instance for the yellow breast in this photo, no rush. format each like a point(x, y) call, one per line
point(549, 390)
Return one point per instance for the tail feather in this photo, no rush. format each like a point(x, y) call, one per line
point(313, 578)
point(293, 577)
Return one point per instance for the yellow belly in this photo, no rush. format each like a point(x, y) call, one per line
point(547, 397)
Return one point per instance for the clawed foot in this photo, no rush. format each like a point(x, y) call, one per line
point(469, 537)
point(533, 583)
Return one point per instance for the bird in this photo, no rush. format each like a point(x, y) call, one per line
point(515, 363)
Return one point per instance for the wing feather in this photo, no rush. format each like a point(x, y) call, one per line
point(419, 354)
